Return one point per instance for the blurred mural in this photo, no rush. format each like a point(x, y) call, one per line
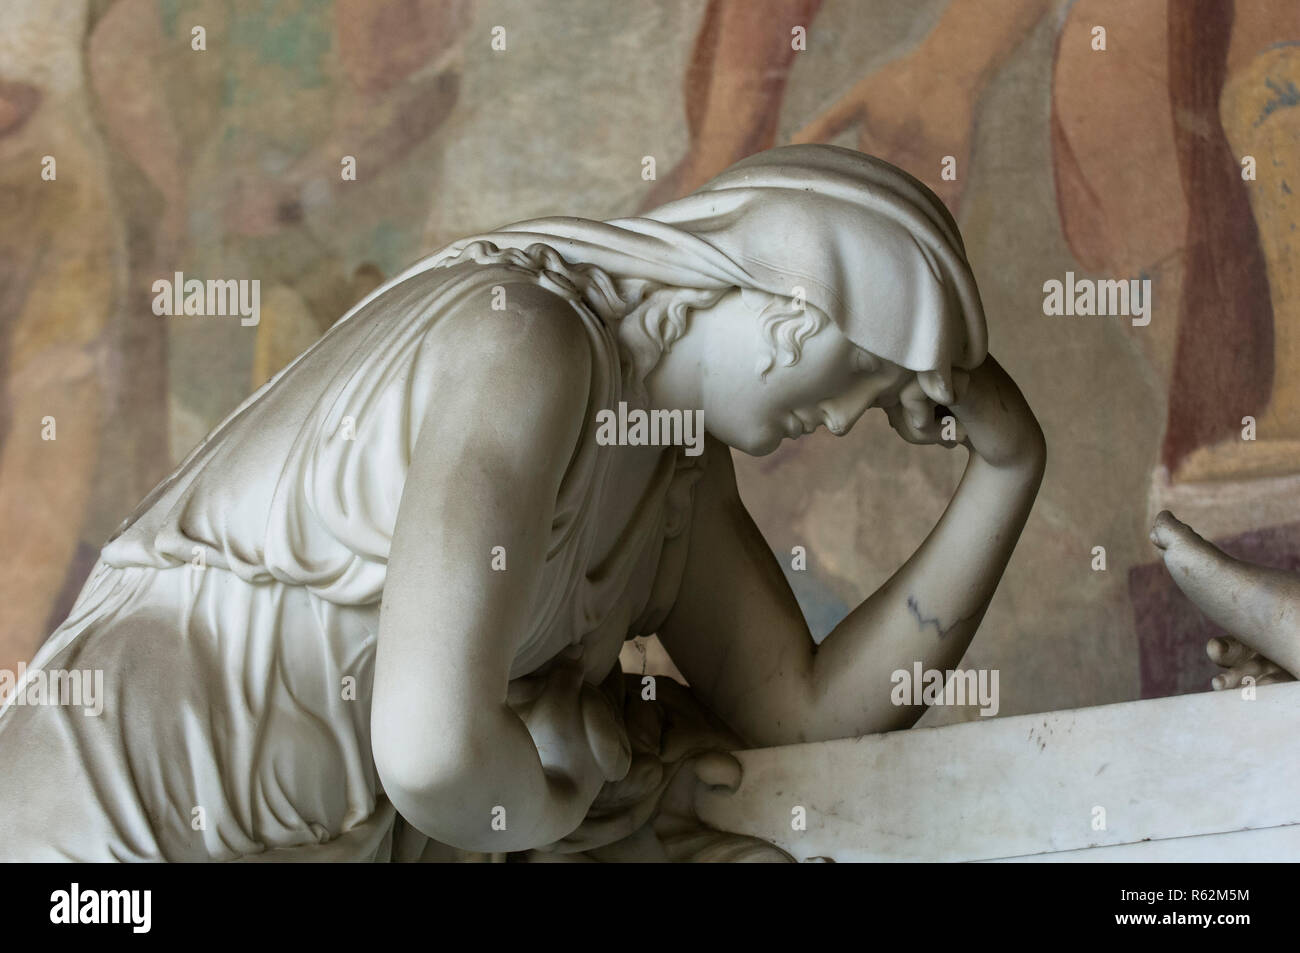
point(134, 145)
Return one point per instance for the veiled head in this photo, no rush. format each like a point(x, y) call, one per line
point(833, 272)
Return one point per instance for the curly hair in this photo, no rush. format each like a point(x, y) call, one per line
point(655, 323)
point(649, 318)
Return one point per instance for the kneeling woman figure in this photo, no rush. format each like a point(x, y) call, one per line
point(370, 612)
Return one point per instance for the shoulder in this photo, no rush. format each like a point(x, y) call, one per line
point(516, 321)
point(513, 363)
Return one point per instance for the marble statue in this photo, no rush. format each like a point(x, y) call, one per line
point(377, 613)
point(1258, 605)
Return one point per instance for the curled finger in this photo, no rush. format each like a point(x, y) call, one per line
point(1227, 651)
point(1232, 678)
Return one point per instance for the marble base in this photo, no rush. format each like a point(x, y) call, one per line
point(1209, 776)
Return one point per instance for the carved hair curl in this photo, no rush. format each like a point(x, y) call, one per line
point(650, 318)
point(651, 327)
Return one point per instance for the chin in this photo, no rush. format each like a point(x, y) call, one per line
point(755, 443)
point(761, 445)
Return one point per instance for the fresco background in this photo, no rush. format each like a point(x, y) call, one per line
point(1115, 163)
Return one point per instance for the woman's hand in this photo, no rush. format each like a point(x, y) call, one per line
point(579, 736)
point(999, 425)
point(1242, 662)
point(919, 419)
point(991, 415)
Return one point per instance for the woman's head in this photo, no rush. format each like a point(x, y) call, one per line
point(827, 245)
point(854, 237)
point(762, 367)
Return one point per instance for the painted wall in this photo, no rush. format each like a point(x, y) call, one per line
point(1124, 162)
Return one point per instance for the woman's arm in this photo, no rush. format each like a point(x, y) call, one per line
point(453, 757)
point(736, 631)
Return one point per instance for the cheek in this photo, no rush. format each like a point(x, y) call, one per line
point(741, 398)
point(789, 387)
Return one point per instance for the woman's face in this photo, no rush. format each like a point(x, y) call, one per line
point(833, 383)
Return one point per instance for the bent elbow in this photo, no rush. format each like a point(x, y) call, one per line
point(446, 784)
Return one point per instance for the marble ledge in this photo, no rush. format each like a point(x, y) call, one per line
point(1207, 776)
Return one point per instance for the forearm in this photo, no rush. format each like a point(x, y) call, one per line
point(928, 611)
point(737, 632)
point(782, 688)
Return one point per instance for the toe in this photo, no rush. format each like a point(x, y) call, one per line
point(1168, 530)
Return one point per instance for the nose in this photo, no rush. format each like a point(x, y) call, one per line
point(843, 412)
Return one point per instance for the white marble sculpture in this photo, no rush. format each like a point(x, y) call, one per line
point(1259, 606)
point(377, 614)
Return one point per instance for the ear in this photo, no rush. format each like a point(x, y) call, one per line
point(936, 385)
